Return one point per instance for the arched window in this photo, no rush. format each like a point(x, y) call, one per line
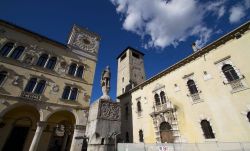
point(248, 116)
point(73, 94)
point(163, 97)
point(72, 69)
point(141, 136)
point(51, 63)
point(66, 92)
point(127, 137)
point(230, 73)
point(40, 87)
point(3, 75)
point(157, 100)
point(79, 72)
point(6, 49)
point(207, 129)
point(192, 87)
point(17, 52)
point(30, 85)
point(166, 133)
point(139, 106)
point(42, 60)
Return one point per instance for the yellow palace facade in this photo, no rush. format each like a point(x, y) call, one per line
point(45, 87)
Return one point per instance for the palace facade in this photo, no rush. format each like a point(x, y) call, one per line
point(203, 98)
point(45, 88)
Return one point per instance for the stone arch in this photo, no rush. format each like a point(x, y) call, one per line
point(166, 133)
point(17, 124)
point(49, 114)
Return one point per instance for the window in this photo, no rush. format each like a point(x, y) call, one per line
point(102, 141)
point(34, 87)
point(163, 97)
point(248, 116)
point(139, 106)
point(192, 87)
point(66, 92)
point(126, 112)
point(207, 129)
point(3, 75)
point(135, 55)
point(42, 60)
point(69, 93)
point(157, 99)
point(40, 87)
point(72, 69)
point(127, 137)
point(17, 52)
point(6, 49)
point(230, 73)
point(123, 57)
point(79, 72)
point(122, 79)
point(141, 136)
point(51, 63)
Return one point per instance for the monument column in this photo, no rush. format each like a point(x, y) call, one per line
point(39, 130)
point(77, 140)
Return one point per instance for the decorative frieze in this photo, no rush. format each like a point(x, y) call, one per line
point(109, 110)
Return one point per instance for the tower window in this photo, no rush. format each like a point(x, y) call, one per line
point(207, 129)
point(17, 52)
point(192, 87)
point(6, 49)
point(139, 106)
point(126, 112)
point(135, 55)
point(122, 79)
point(230, 73)
point(157, 99)
point(141, 136)
point(3, 75)
point(123, 56)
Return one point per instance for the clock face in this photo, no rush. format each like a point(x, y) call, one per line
point(86, 42)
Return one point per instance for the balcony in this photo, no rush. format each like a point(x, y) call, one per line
point(195, 97)
point(236, 85)
point(164, 107)
point(31, 96)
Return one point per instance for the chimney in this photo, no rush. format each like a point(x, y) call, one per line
point(195, 48)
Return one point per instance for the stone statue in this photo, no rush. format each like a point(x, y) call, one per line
point(105, 83)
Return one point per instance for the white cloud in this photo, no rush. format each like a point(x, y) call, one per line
point(161, 23)
point(236, 13)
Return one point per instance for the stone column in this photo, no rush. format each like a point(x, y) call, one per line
point(79, 132)
point(37, 136)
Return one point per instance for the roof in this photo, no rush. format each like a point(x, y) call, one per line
point(231, 35)
point(133, 49)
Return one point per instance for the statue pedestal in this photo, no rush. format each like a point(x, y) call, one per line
point(103, 125)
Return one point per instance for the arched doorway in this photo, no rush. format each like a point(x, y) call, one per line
point(17, 128)
point(60, 129)
point(166, 133)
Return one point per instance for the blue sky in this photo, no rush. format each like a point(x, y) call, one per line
point(162, 29)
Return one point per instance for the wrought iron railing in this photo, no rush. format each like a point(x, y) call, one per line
point(236, 84)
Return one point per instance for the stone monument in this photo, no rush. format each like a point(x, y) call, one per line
point(104, 119)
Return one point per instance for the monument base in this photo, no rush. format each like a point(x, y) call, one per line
point(103, 125)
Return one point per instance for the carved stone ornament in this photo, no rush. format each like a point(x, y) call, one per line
point(62, 68)
point(54, 88)
point(109, 110)
point(28, 59)
point(60, 130)
point(16, 80)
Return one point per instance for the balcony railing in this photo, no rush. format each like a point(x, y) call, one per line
point(195, 97)
point(166, 106)
point(31, 96)
point(236, 84)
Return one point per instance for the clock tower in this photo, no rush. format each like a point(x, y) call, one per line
point(84, 43)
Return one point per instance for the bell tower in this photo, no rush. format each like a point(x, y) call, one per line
point(130, 70)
